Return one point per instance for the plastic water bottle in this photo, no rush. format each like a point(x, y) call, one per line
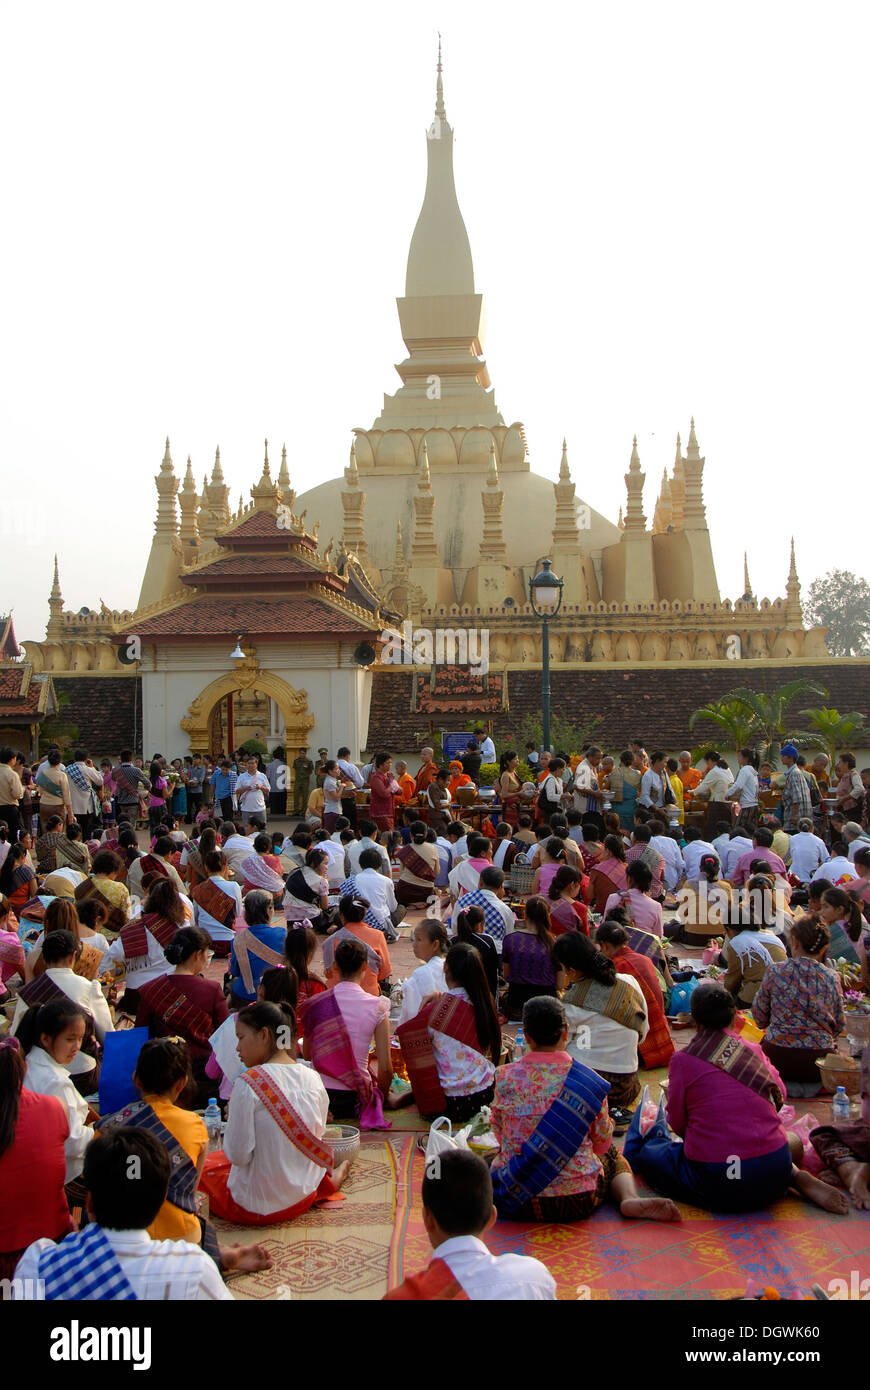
point(841, 1107)
point(212, 1118)
point(519, 1045)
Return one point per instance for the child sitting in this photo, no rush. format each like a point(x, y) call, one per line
point(457, 1210)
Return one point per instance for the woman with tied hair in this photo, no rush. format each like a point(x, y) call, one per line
point(644, 912)
point(300, 948)
point(352, 911)
point(33, 1131)
point(61, 915)
point(259, 944)
point(527, 960)
point(553, 855)
point(17, 879)
point(453, 1046)
point(508, 787)
point(421, 864)
point(431, 944)
point(60, 951)
point(625, 780)
point(193, 856)
point(566, 912)
point(751, 943)
point(139, 950)
point(471, 928)
point(607, 1018)
point(845, 921)
point(306, 899)
point(608, 875)
point(340, 1028)
point(611, 938)
point(274, 1165)
point(218, 902)
point(800, 1004)
point(723, 1101)
point(704, 909)
point(105, 883)
point(183, 1003)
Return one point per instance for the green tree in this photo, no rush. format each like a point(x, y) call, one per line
point(834, 732)
point(731, 718)
point(771, 717)
point(566, 735)
point(840, 601)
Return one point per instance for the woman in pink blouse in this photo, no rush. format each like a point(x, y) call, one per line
point(644, 912)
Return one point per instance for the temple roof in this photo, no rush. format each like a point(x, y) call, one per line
point(24, 696)
point(9, 648)
point(301, 615)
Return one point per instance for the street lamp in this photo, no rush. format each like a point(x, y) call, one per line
point(545, 596)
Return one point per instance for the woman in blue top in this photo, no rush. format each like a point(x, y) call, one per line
point(255, 948)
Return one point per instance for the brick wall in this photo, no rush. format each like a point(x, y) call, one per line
point(652, 703)
point(107, 710)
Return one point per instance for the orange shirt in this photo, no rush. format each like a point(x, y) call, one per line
point(370, 936)
point(428, 772)
point(408, 785)
point(459, 779)
point(690, 778)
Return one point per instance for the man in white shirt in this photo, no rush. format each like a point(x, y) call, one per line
point(457, 1211)
point(669, 849)
point(836, 868)
point(84, 781)
point(587, 796)
point(716, 780)
point(377, 889)
point(737, 846)
point(237, 848)
point(808, 852)
point(722, 839)
point(368, 833)
point(115, 1257)
point(252, 788)
point(487, 750)
point(694, 852)
point(655, 787)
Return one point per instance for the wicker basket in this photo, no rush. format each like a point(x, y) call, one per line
point(345, 1147)
point(836, 1070)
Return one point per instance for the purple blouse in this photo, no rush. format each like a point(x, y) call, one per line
point(528, 959)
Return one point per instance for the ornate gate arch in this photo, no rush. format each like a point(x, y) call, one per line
point(248, 675)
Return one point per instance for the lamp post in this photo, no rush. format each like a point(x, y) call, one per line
point(545, 596)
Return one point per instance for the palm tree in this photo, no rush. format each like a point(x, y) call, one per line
point(833, 731)
point(731, 718)
point(769, 715)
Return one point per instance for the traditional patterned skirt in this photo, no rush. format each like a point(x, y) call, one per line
point(577, 1206)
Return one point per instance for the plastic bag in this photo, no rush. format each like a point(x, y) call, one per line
point(441, 1138)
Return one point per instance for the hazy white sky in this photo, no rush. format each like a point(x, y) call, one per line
point(207, 213)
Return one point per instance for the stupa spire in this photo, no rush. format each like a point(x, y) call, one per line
point(747, 587)
point(217, 475)
point(188, 502)
point(288, 496)
point(565, 533)
point(793, 610)
point(694, 514)
point(439, 261)
point(635, 521)
point(439, 88)
point(353, 501)
point(166, 524)
point(54, 627)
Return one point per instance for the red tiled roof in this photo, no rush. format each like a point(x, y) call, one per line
point(213, 616)
point(263, 526)
point(19, 695)
point(261, 566)
point(9, 647)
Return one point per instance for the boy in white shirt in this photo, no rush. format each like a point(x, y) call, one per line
point(457, 1211)
point(252, 788)
point(114, 1257)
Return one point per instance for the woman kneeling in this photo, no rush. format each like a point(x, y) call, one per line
point(274, 1164)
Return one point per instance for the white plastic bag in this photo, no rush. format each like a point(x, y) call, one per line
point(441, 1138)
